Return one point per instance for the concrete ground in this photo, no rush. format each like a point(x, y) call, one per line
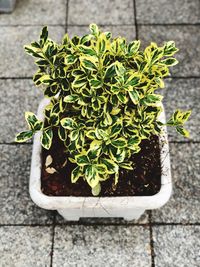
point(30, 236)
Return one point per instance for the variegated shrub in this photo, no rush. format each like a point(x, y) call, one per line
point(103, 99)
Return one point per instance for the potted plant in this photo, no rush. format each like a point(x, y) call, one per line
point(100, 147)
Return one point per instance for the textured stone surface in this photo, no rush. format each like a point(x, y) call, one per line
point(15, 203)
point(17, 96)
point(36, 12)
point(25, 246)
point(183, 206)
point(177, 246)
point(187, 39)
point(114, 12)
point(124, 31)
point(143, 220)
point(14, 62)
point(168, 11)
point(183, 94)
point(101, 246)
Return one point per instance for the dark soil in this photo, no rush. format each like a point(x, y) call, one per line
point(144, 180)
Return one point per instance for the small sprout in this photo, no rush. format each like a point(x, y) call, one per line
point(64, 164)
point(48, 161)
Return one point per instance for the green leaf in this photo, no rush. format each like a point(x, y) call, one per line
point(62, 133)
point(95, 83)
point(116, 129)
point(91, 176)
point(151, 100)
point(94, 30)
point(170, 48)
point(119, 142)
point(96, 190)
point(76, 174)
point(183, 131)
point(23, 136)
point(54, 119)
point(46, 138)
point(134, 140)
point(133, 80)
point(43, 36)
point(70, 59)
point(33, 122)
point(101, 168)
point(82, 160)
point(68, 123)
point(89, 62)
point(110, 71)
point(133, 47)
point(122, 98)
point(135, 97)
point(170, 61)
point(74, 135)
point(112, 167)
point(70, 98)
point(91, 134)
point(126, 165)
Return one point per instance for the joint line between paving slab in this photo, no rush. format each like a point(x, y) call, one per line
point(32, 25)
point(53, 239)
point(102, 224)
point(151, 240)
point(67, 14)
point(168, 24)
point(135, 18)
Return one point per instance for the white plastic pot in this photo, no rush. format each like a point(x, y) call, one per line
point(7, 6)
point(72, 208)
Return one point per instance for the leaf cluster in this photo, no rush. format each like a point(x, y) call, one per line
point(103, 99)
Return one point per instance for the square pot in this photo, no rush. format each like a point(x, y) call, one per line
point(72, 208)
point(7, 6)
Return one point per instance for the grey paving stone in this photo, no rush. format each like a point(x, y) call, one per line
point(183, 94)
point(124, 31)
point(17, 96)
point(15, 203)
point(183, 206)
point(25, 246)
point(177, 246)
point(144, 219)
point(14, 62)
point(94, 246)
point(187, 40)
point(168, 11)
point(114, 12)
point(36, 12)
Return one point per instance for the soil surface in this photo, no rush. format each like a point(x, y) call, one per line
point(144, 180)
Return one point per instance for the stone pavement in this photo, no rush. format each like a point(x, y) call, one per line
point(30, 236)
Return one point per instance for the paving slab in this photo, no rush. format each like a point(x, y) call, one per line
point(183, 94)
point(25, 246)
point(14, 62)
point(177, 246)
point(17, 96)
point(187, 40)
point(144, 219)
point(114, 12)
point(167, 11)
point(36, 12)
point(15, 203)
point(127, 31)
point(94, 246)
point(183, 206)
